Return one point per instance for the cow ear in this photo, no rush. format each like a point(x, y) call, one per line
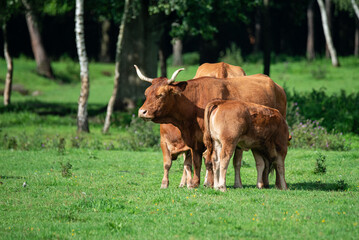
point(180, 87)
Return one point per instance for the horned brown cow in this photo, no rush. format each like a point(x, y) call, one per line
point(228, 124)
point(172, 143)
point(182, 104)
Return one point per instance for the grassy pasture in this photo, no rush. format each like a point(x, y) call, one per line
point(116, 194)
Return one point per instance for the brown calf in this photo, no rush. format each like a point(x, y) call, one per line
point(262, 129)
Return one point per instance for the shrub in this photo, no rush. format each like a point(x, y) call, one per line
point(141, 135)
point(310, 134)
point(320, 167)
point(337, 112)
point(66, 169)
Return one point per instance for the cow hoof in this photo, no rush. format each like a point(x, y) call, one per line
point(237, 186)
point(222, 188)
point(260, 185)
point(164, 186)
point(182, 185)
point(207, 184)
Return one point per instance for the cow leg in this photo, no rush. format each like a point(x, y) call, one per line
point(265, 176)
point(197, 163)
point(208, 180)
point(167, 163)
point(225, 156)
point(187, 169)
point(260, 164)
point(237, 162)
point(281, 172)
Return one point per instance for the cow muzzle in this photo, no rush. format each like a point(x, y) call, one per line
point(143, 113)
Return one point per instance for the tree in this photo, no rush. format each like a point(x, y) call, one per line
point(7, 9)
point(42, 61)
point(310, 37)
point(82, 116)
point(9, 63)
point(328, 37)
point(267, 41)
point(115, 91)
point(328, 9)
point(104, 55)
point(356, 8)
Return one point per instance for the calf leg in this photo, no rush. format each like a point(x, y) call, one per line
point(167, 163)
point(225, 156)
point(260, 164)
point(216, 164)
point(237, 161)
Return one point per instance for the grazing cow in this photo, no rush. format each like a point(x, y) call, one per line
point(219, 70)
point(182, 104)
point(228, 124)
point(172, 143)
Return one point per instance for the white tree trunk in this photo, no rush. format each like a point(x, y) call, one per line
point(8, 80)
point(82, 116)
point(356, 8)
point(113, 98)
point(328, 37)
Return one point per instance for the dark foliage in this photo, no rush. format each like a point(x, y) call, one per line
point(338, 112)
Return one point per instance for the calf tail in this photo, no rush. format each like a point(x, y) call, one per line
point(207, 139)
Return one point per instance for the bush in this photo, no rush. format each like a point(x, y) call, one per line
point(310, 134)
point(338, 112)
point(141, 135)
point(320, 167)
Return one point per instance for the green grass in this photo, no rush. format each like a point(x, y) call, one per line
point(116, 194)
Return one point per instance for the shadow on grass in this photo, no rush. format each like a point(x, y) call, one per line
point(318, 186)
point(56, 109)
point(307, 186)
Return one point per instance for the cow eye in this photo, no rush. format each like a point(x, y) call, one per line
point(160, 95)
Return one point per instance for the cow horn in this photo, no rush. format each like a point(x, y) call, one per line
point(174, 75)
point(141, 76)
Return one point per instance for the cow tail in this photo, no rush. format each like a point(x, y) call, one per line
point(207, 139)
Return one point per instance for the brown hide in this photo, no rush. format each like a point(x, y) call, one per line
point(172, 143)
point(182, 104)
point(248, 126)
point(219, 70)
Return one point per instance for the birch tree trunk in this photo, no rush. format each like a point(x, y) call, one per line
point(310, 37)
point(356, 38)
point(82, 116)
point(8, 80)
point(328, 9)
point(113, 98)
point(328, 37)
point(42, 61)
point(356, 8)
